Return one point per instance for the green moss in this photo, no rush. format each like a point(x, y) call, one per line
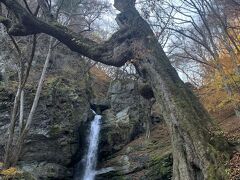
point(218, 171)
point(2, 18)
point(28, 176)
point(218, 141)
point(1, 84)
point(115, 175)
point(161, 167)
point(55, 130)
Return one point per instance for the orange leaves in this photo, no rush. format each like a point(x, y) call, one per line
point(214, 94)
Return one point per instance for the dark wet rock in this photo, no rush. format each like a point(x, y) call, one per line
point(100, 105)
point(146, 91)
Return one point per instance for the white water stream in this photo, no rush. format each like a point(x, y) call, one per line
point(91, 156)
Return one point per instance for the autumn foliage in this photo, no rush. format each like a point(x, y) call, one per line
point(213, 94)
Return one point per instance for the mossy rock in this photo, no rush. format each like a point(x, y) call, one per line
point(15, 174)
point(55, 130)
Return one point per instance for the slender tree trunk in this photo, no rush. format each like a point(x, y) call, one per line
point(5, 76)
point(8, 148)
point(21, 112)
point(25, 130)
point(1, 26)
point(8, 156)
point(9, 145)
point(148, 118)
point(148, 124)
point(12, 153)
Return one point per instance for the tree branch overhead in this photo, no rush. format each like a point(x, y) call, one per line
point(116, 51)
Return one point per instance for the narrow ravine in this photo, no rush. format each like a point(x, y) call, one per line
point(91, 156)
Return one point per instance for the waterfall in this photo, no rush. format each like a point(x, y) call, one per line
point(91, 156)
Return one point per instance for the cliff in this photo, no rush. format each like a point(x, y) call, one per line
point(57, 139)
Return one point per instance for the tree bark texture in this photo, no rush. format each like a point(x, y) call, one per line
point(197, 153)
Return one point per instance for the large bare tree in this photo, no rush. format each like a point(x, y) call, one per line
point(197, 152)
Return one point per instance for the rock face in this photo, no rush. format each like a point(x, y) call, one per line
point(125, 152)
point(125, 120)
point(141, 159)
point(52, 145)
point(57, 139)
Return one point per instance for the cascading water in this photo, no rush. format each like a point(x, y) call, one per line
point(91, 156)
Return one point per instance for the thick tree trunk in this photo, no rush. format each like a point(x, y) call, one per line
point(196, 151)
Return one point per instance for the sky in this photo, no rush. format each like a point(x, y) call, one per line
point(107, 21)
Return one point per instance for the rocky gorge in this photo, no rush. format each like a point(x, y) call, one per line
point(57, 140)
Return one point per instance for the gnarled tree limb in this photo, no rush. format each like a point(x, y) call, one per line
point(113, 52)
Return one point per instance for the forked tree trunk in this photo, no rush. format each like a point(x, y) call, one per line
point(197, 153)
point(13, 151)
point(25, 129)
